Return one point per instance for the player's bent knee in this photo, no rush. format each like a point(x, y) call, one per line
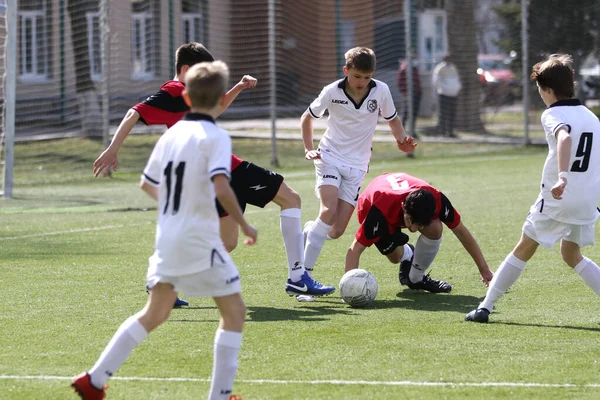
point(336, 233)
point(286, 197)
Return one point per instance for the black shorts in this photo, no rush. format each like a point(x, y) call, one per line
point(388, 243)
point(252, 185)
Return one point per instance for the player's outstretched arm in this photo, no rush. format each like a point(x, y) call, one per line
point(306, 127)
point(563, 149)
point(470, 244)
point(108, 158)
point(405, 143)
point(229, 202)
point(353, 255)
point(247, 82)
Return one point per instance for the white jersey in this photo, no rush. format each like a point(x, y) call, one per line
point(350, 126)
point(580, 200)
point(182, 166)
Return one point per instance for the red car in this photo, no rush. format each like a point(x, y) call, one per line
point(497, 78)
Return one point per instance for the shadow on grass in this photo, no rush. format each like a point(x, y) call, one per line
point(425, 301)
point(273, 314)
point(320, 313)
point(578, 328)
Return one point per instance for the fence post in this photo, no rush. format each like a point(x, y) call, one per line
point(10, 87)
point(525, 66)
point(273, 82)
point(104, 51)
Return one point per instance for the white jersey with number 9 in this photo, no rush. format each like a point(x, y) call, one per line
point(580, 200)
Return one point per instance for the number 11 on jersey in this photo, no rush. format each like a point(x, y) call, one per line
point(178, 185)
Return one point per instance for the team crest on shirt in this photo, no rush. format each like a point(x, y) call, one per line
point(372, 105)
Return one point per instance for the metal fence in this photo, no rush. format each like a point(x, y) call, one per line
point(73, 68)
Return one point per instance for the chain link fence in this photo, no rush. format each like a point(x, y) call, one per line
point(78, 66)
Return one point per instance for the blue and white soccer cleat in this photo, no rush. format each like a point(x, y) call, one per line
point(307, 286)
point(180, 303)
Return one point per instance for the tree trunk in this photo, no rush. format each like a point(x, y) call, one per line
point(462, 43)
point(89, 105)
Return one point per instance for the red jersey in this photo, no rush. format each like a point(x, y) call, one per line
point(380, 209)
point(167, 106)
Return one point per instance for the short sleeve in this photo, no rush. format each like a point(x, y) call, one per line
point(387, 108)
point(319, 105)
point(448, 214)
point(551, 121)
point(152, 171)
point(219, 158)
point(165, 107)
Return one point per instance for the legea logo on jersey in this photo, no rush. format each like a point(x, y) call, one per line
point(336, 101)
point(372, 105)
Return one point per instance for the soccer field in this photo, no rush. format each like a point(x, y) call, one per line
point(73, 258)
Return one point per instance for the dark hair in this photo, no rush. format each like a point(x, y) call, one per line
point(420, 207)
point(360, 58)
point(556, 73)
point(190, 54)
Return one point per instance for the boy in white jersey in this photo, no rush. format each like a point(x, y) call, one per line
point(566, 209)
point(189, 166)
point(342, 158)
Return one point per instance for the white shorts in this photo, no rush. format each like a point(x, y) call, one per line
point(547, 231)
point(220, 280)
point(348, 180)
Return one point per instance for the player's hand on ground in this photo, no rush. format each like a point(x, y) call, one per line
point(251, 233)
point(312, 154)
point(407, 145)
point(106, 161)
point(558, 189)
point(487, 278)
point(248, 82)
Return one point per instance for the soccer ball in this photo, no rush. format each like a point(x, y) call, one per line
point(358, 288)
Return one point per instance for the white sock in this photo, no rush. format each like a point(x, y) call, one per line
point(291, 229)
point(508, 273)
point(314, 243)
point(128, 336)
point(408, 253)
point(425, 251)
point(590, 272)
point(225, 363)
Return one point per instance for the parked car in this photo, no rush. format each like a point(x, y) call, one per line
point(498, 81)
point(590, 76)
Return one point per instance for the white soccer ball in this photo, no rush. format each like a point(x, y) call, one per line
point(358, 288)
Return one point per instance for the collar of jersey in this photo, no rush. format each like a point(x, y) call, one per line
point(198, 117)
point(342, 85)
point(567, 102)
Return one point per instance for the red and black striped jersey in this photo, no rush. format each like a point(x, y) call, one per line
point(380, 208)
point(167, 106)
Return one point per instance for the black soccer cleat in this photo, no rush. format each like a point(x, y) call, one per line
point(405, 268)
point(480, 315)
point(431, 285)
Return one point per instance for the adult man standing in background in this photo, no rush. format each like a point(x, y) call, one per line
point(447, 85)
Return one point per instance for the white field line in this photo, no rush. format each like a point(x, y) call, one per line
point(318, 382)
point(101, 228)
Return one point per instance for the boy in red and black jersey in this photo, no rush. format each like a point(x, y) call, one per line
point(252, 184)
point(396, 201)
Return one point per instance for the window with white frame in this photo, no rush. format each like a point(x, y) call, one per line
point(140, 39)
point(192, 27)
point(33, 45)
point(94, 49)
point(192, 21)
